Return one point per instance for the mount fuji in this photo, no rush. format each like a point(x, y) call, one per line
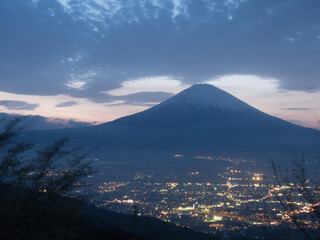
point(199, 120)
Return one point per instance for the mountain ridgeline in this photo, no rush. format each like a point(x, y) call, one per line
point(199, 120)
point(36, 122)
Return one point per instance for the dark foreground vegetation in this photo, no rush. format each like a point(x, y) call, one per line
point(35, 183)
point(69, 218)
point(62, 220)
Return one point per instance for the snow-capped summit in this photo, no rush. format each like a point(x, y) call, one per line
point(204, 96)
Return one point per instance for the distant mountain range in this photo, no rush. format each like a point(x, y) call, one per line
point(199, 120)
point(36, 122)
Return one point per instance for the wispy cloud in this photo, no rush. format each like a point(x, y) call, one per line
point(67, 104)
point(79, 81)
point(76, 84)
point(127, 12)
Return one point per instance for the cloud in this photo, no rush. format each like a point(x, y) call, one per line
point(296, 109)
point(76, 84)
point(64, 3)
point(147, 99)
point(126, 11)
point(18, 105)
point(154, 97)
point(195, 40)
point(79, 81)
point(137, 104)
point(148, 84)
point(251, 83)
point(67, 104)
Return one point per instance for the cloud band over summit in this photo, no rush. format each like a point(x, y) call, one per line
point(119, 40)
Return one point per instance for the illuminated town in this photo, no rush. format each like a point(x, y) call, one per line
point(238, 201)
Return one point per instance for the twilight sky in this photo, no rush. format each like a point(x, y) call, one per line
point(97, 60)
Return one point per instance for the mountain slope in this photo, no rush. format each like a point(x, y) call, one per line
point(200, 120)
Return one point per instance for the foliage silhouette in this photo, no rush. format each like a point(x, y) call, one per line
point(33, 181)
point(300, 184)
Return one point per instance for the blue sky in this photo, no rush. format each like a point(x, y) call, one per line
point(96, 60)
